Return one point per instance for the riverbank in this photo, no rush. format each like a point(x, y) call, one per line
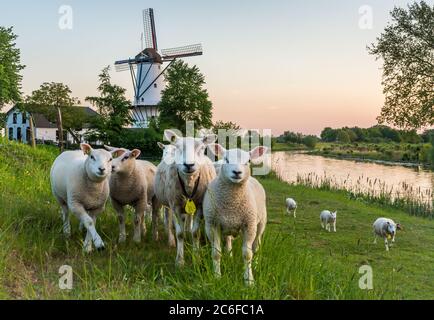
point(401, 153)
point(298, 259)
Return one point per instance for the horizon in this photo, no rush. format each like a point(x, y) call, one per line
point(292, 59)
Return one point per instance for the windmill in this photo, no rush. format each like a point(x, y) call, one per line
point(147, 72)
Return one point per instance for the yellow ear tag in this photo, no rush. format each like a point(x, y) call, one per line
point(190, 207)
point(389, 237)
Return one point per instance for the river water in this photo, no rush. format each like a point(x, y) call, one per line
point(366, 177)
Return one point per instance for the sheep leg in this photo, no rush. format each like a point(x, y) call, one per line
point(66, 221)
point(248, 239)
point(195, 234)
point(386, 243)
point(334, 226)
point(229, 245)
point(139, 223)
point(179, 226)
point(169, 227)
point(259, 232)
point(295, 216)
point(156, 207)
point(89, 224)
point(121, 218)
point(214, 236)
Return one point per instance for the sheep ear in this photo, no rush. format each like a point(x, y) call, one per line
point(87, 149)
point(210, 138)
point(217, 149)
point(160, 145)
point(171, 135)
point(108, 148)
point(117, 152)
point(258, 152)
point(135, 153)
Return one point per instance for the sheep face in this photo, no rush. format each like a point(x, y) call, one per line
point(236, 162)
point(98, 162)
point(389, 229)
point(125, 161)
point(189, 152)
point(333, 216)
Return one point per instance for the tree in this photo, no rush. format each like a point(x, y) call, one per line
point(328, 134)
point(342, 136)
point(229, 126)
point(406, 48)
point(114, 110)
point(10, 67)
point(55, 102)
point(184, 98)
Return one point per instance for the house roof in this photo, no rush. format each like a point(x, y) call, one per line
point(42, 122)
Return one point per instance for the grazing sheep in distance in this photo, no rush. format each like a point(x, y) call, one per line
point(385, 228)
point(181, 186)
point(327, 219)
point(132, 183)
point(291, 205)
point(79, 182)
point(234, 203)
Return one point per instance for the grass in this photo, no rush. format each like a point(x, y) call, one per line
point(298, 260)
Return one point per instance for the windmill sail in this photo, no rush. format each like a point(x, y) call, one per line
point(150, 35)
point(180, 52)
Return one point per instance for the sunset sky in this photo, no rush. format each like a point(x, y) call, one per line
point(280, 64)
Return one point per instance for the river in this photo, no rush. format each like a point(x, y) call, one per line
point(367, 177)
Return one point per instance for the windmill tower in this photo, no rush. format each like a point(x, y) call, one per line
point(147, 71)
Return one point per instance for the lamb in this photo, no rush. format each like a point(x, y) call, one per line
point(385, 228)
point(234, 203)
point(79, 182)
point(181, 185)
point(291, 205)
point(132, 183)
point(327, 219)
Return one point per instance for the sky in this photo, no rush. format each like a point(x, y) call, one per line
point(298, 65)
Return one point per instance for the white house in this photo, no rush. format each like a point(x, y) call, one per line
point(18, 127)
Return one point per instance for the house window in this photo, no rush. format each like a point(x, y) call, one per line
point(19, 134)
point(23, 118)
point(28, 134)
point(11, 133)
point(14, 118)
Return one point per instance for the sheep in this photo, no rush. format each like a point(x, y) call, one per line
point(291, 205)
point(181, 185)
point(234, 203)
point(327, 219)
point(385, 228)
point(132, 183)
point(79, 182)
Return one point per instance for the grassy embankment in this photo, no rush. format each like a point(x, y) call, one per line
point(391, 151)
point(298, 260)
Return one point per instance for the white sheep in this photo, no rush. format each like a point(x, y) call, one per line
point(168, 151)
point(235, 203)
point(385, 228)
point(79, 182)
point(132, 183)
point(291, 205)
point(181, 185)
point(327, 219)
